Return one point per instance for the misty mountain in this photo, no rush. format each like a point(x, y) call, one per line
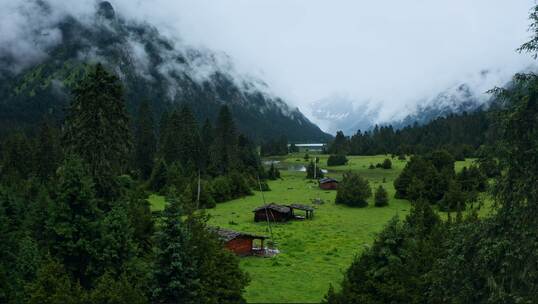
point(152, 67)
point(340, 113)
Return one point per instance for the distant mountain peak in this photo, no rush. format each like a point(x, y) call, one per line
point(152, 67)
point(106, 10)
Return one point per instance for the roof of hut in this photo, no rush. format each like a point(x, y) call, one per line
point(275, 207)
point(228, 235)
point(327, 180)
point(302, 207)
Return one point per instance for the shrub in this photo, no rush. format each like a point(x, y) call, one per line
point(310, 171)
point(337, 160)
point(371, 166)
point(387, 164)
point(273, 173)
point(221, 189)
point(401, 157)
point(381, 197)
point(353, 191)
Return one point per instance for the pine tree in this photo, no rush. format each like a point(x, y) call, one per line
point(73, 222)
point(48, 151)
point(145, 142)
point(224, 152)
point(353, 191)
point(381, 197)
point(175, 276)
point(97, 128)
point(189, 141)
point(207, 137)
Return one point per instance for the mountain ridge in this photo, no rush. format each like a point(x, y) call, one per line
point(151, 67)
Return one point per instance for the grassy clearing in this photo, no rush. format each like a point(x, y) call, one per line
point(314, 253)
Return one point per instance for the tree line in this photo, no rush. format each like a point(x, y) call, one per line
point(75, 222)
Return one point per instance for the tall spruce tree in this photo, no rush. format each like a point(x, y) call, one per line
point(48, 151)
point(175, 276)
point(145, 142)
point(97, 128)
point(207, 135)
point(189, 138)
point(224, 154)
point(73, 224)
point(169, 144)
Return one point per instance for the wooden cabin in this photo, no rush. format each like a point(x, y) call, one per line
point(241, 243)
point(309, 211)
point(328, 184)
point(273, 213)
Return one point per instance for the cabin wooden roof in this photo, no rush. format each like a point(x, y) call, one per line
point(228, 234)
point(275, 207)
point(327, 180)
point(301, 207)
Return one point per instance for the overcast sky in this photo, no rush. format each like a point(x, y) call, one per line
point(392, 54)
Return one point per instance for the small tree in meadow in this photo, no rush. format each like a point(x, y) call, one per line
point(353, 191)
point(337, 160)
point(387, 164)
point(381, 197)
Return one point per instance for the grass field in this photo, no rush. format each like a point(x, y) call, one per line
point(314, 253)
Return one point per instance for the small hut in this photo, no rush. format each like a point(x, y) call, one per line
point(273, 213)
point(309, 211)
point(328, 184)
point(241, 243)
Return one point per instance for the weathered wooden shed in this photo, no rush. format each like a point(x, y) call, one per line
point(309, 211)
point(273, 212)
point(328, 183)
point(241, 243)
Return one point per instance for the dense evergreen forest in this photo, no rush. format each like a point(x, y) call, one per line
point(460, 134)
point(75, 225)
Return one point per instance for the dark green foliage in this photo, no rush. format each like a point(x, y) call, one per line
point(353, 191)
point(175, 277)
point(97, 128)
point(18, 159)
point(420, 179)
point(401, 157)
point(224, 151)
point(191, 266)
point(114, 289)
point(395, 268)
point(53, 285)
point(381, 197)
point(182, 141)
point(454, 199)
point(273, 173)
point(313, 171)
point(222, 190)
point(73, 225)
point(337, 160)
point(48, 152)
point(158, 178)
point(275, 147)
point(387, 164)
point(206, 138)
point(340, 144)
point(293, 148)
point(461, 134)
point(501, 251)
point(145, 141)
point(306, 157)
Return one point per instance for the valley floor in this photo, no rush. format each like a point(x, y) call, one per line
point(314, 253)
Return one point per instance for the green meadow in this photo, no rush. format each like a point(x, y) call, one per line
point(313, 253)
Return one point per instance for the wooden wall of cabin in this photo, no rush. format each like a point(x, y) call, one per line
point(240, 246)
